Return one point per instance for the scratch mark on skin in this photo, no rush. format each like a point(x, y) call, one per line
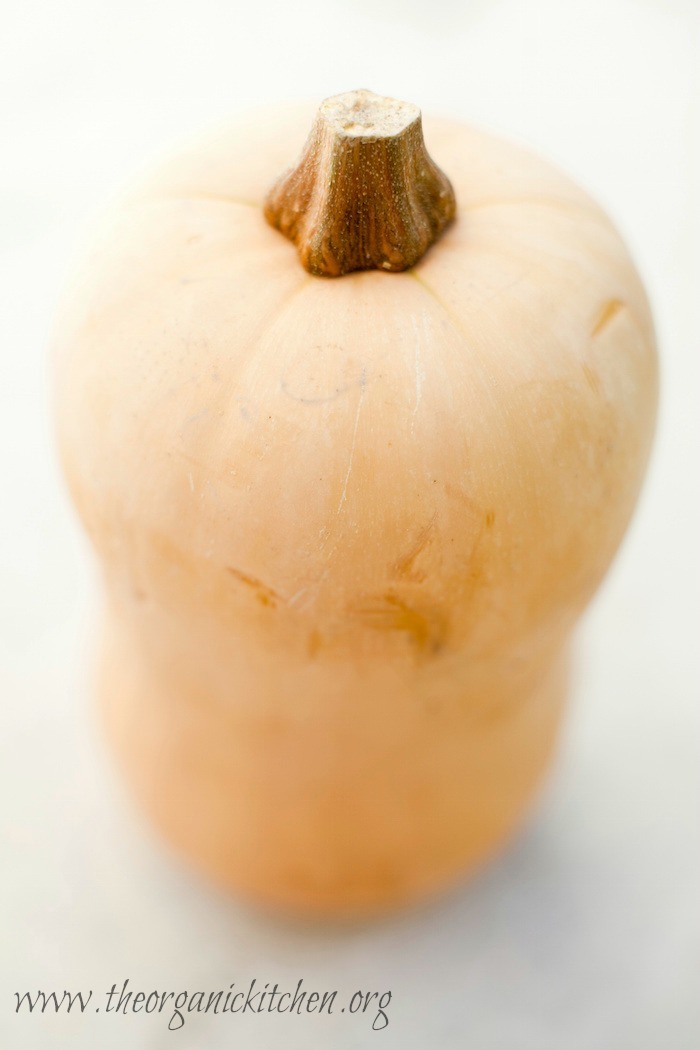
point(287, 383)
point(360, 400)
point(404, 566)
point(591, 378)
point(296, 596)
point(265, 595)
point(191, 481)
point(247, 409)
point(473, 507)
point(195, 417)
point(426, 629)
point(449, 313)
point(609, 311)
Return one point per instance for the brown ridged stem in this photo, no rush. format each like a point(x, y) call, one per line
point(365, 194)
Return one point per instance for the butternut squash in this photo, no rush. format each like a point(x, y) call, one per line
point(347, 519)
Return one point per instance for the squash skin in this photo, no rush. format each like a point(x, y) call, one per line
point(347, 526)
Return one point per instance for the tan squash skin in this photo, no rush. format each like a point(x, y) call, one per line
point(347, 525)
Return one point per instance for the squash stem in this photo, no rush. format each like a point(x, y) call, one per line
point(365, 194)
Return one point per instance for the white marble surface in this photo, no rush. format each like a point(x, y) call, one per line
point(584, 935)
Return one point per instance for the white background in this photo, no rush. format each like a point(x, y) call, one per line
point(584, 935)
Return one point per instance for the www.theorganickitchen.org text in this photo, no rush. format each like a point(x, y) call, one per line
point(256, 997)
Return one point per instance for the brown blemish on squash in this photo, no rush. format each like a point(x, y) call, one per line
point(591, 378)
point(314, 644)
point(609, 311)
point(489, 519)
point(404, 567)
point(169, 552)
point(265, 595)
point(458, 493)
point(425, 628)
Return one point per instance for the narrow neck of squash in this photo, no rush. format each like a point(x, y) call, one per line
point(365, 194)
